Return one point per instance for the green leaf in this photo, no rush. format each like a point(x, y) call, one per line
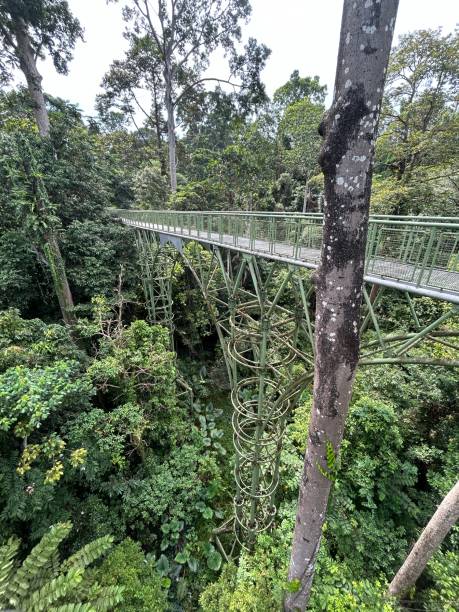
point(163, 565)
point(330, 454)
point(181, 557)
point(88, 554)
point(164, 545)
point(207, 513)
point(293, 586)
point(32, 569)
point(182, 589)
point(7, 555)
point(166, 582)
point(214, 560)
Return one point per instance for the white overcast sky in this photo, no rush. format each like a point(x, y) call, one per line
point(302, 34)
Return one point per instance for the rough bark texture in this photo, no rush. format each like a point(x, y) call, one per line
point(446, 515)
point(28, 66)
point(346, 159)
point(52, 251)
point(159, 140)
point(171, 139)
point(59, 276)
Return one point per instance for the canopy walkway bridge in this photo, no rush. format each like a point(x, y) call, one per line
point(254, 271)
point(419, 255)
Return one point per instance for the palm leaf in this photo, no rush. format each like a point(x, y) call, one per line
point(36, 563)
point(7, 555)
point(88, 554)
point(54, 590)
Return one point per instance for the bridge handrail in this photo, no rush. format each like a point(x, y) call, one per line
point(410, 251)
point(452, 222)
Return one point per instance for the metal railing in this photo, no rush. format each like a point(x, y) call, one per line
point(418, 254)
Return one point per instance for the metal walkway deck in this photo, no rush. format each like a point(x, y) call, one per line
point(419, 255)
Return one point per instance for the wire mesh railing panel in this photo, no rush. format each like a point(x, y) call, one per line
point(261, 234)
point(396, 253)
point(284, 233)
point(310, 239)
point(443, 270)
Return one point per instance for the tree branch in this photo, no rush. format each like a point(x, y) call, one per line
point(190, 87)
point(147, 16)
point(147, 115)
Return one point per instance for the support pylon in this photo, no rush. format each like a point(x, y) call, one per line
point(157, 263)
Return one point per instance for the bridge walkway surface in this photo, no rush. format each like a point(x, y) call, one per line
point(415, 254)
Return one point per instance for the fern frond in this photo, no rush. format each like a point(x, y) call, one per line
point(7, 555)
point(108, 598)
point(332, 465)
point(330, 456)
point(53, 591)
point(89, 553)
point(36, 563)
point(50, 570)
point(325, 473)
point(42, 584)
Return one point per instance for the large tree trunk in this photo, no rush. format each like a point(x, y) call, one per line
point(446, 515)
point(28, 66)
point(52, 251)
point(171, 140)
point(346, 159)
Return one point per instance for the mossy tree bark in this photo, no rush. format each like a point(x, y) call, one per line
point(346, 159)
point(28, 64)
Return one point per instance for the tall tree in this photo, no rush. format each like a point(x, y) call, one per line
point(28, 30)
point(297, 88)
point(445, 517)
point(417, 152)
point(139, 70)
point(300, 142)
point(183, 35)
point(216, 123)
point(346, 158)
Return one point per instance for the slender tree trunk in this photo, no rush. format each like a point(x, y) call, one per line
point(346, 159)
point(58, 273)
point(446, 515)
point(159, 140)
point(305, 197)
point(307, 200)
point(171, 140)
point(52, 251)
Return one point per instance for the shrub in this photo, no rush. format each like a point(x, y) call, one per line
point(126, 566)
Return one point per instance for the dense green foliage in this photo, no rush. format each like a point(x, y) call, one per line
point(105, 427)
point(417, 160)
point(127, 567)
point(380, 499)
